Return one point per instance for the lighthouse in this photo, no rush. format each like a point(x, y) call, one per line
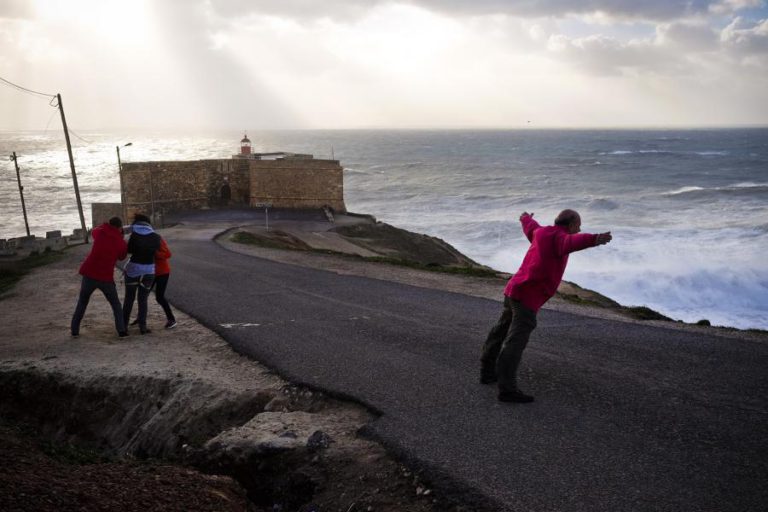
point(245, 146)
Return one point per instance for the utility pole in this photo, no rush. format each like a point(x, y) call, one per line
point(122, 183)
point(21, 191)
point(72, 166)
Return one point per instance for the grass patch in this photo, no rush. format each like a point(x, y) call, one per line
point(280, 240)
point(645, 313)
point(276, 240)
point(467, 271)
point(11, 272)
point(575, 299)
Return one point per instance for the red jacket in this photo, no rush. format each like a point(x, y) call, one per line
point(108, 247)
point(162, 255)
point(544, 264)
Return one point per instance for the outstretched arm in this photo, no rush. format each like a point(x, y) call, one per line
point(581, 241)
point(529, 225)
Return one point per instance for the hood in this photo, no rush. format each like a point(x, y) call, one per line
point(142, 228)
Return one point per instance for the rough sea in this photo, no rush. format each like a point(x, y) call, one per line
point(688, 209)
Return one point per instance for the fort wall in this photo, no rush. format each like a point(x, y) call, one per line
point(155, 188)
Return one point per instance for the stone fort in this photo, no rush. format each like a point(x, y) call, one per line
point(247, 179)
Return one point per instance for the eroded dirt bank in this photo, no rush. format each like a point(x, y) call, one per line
point(183, 396)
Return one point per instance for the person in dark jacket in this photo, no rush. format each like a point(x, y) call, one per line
point(140, 270)
point(162, 275)
point(98, 272)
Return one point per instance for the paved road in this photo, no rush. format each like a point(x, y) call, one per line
point(626, 418)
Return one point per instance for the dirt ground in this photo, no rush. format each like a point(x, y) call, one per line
point(353, 474)
point(39, 476)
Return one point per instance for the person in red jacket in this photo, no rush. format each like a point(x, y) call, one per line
point(526, 292)
point(162, 274)
point(98, 272)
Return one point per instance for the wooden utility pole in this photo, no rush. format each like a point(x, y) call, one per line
point(122, 183)
point(72, 166)
point(21, 191)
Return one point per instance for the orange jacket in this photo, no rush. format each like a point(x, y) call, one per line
point(162, 255)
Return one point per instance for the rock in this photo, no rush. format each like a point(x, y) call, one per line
point(318, 440)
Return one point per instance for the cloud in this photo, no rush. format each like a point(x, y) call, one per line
point(674, 50)
point(650, 10)
point(602, 55)
point(742, 39)
point(16, 9)
point(688, 37)
point(731, 6)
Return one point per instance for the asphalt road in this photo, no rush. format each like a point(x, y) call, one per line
point(626, 418)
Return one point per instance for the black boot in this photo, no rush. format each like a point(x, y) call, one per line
point(515, 396)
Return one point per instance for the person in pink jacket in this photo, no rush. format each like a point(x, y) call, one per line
point(529, 288)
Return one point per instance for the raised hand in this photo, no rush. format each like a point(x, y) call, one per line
point(526, 214)
point(603, 238)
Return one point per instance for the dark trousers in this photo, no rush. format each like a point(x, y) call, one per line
point(87, 287)
point(141, 286)
point(504, 346)
point(161, 283)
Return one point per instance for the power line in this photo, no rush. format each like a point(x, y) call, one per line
point(24, 89)
point(79, 137)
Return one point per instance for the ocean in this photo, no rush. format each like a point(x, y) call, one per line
point(687, 208)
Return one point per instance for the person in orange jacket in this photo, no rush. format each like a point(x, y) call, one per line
point(160, 284)
point(162, 274)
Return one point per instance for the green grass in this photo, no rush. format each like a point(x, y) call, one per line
point(243, 237)
point(12, 272)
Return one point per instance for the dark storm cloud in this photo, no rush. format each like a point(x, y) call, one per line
point(632, 9)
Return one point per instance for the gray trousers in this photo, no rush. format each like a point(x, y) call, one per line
point(503, 349)
point(109, 290)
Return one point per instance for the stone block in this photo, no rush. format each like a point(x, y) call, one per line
point(53, 234)
point(26, 242)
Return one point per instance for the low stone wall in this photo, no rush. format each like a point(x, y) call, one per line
point(23, 246)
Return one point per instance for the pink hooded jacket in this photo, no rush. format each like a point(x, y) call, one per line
point(544, 264)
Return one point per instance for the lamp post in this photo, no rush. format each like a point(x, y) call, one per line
point(122, 184)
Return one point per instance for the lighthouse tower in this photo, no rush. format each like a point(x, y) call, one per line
point(245, 146)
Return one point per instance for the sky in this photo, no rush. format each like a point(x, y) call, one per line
point(409, 64)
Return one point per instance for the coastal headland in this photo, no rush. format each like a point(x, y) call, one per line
point(293, 432)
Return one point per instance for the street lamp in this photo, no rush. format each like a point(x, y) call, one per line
point(122, 185)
